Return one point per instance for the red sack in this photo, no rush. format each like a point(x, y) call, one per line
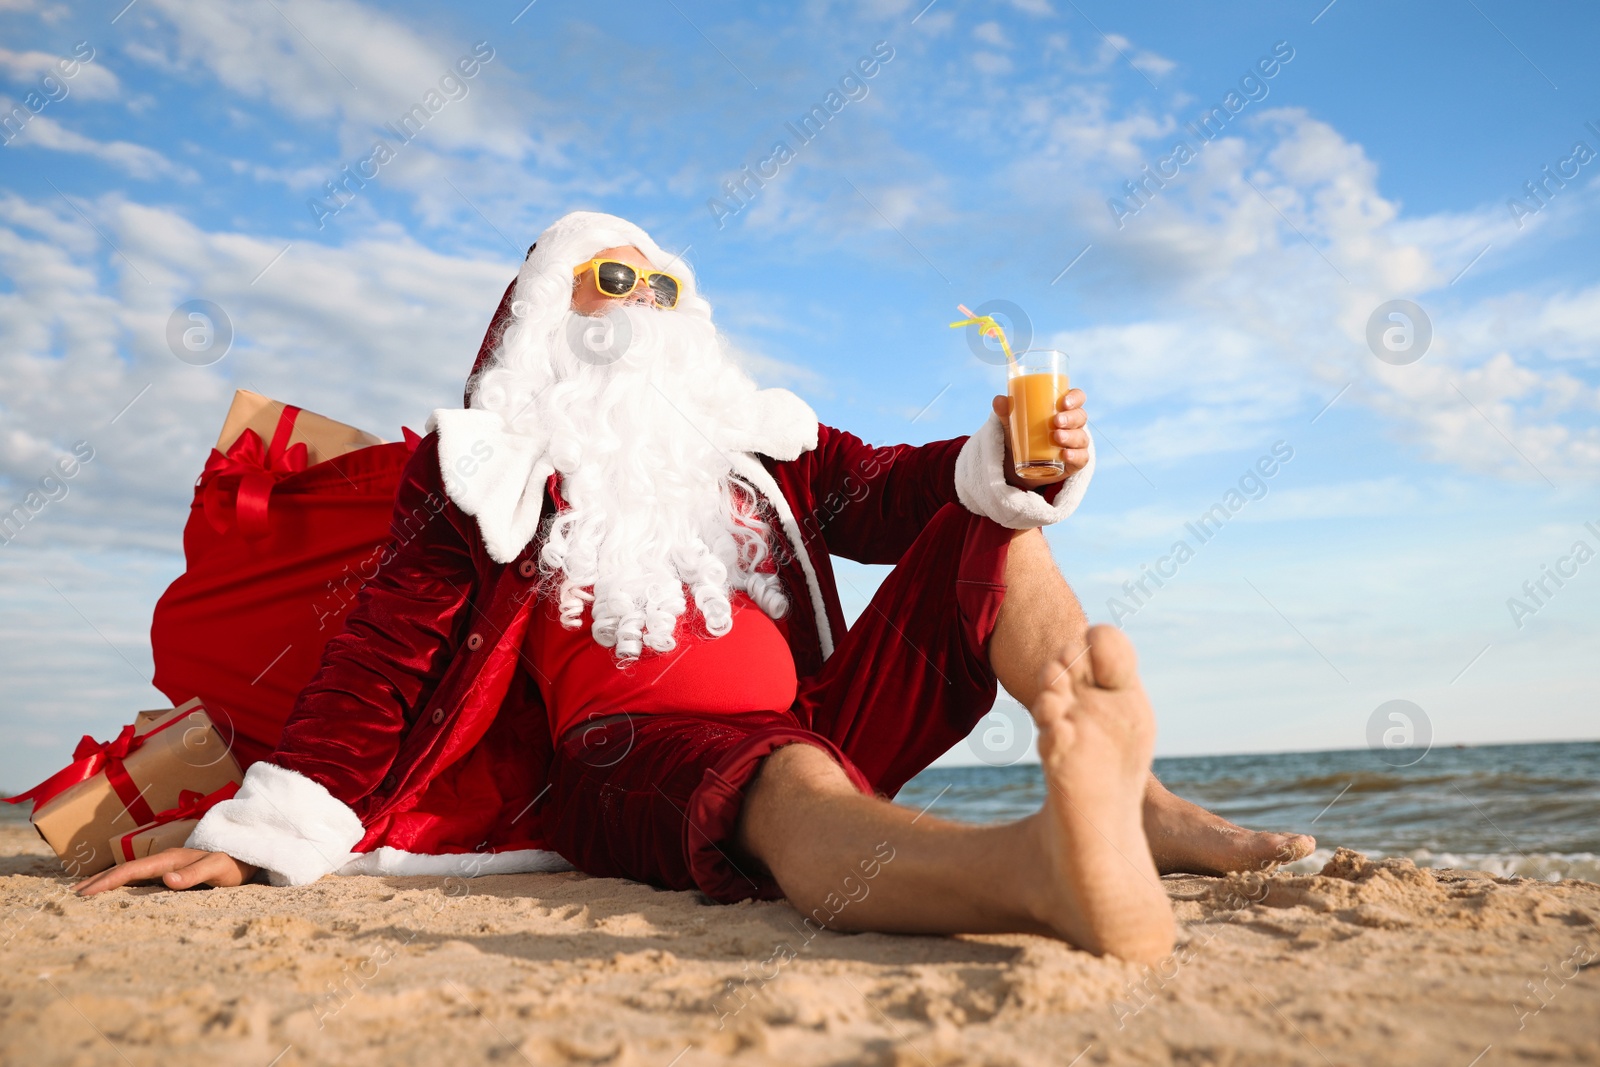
point(275, 550)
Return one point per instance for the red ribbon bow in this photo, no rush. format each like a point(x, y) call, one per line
point(250, 469)
point(192, 804)
point(89, 759)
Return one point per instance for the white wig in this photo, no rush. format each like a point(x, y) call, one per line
point(629, 408)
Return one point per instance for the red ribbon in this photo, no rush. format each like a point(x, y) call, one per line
point(249, 470)
point(192, 804)
point(90, 758)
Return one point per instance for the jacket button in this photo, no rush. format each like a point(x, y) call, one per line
point(525, 568)
point(387, 784)
point(438, 716)
point(475, 642)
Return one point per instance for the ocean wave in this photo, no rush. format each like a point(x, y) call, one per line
point(1541, 866)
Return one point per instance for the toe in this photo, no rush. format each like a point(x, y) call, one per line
point(1050, 712)
point(1276, 849)
point(1112, 661)
point(1056, 680)
point(1298, 847)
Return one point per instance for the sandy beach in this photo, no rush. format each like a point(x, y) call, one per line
point(1368, 962)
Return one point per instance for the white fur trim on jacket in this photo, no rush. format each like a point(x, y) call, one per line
point(494, 476)
point(750, 468)
point(395, 863)
point(498, 476)
point(982, 488)
point(283, 822)
point(784, 426)
point(293, 828)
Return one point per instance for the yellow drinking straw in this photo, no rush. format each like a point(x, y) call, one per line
point(986, 326)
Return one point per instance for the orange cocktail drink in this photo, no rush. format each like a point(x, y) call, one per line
point(1036, 382)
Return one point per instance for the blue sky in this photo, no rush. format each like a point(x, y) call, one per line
point(1376, 163)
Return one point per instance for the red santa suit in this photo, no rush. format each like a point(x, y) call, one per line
point(423, 744)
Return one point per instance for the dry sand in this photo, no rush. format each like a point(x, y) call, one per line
point(1367, 963)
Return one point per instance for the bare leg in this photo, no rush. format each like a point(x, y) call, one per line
point(1040, 615)
point(1186, 838)
point(1080, 868)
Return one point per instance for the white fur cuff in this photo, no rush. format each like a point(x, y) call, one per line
point(283, 822)
point(394, 862)
point(982, 488)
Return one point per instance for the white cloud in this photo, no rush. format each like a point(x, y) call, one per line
point(320, 60)
point(991, 33)
point(769, 371)
point(1141, 59)
point(136, 161)
point(1502, 417)
point(492, 135)
point(1152, 63)
point(991, 62)
point(1566, 325)
point(91, 81)
point(47, 14)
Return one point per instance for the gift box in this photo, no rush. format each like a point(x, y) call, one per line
point(169, 829)
point(144, 720)
point(147, 840)
point(324, 438)
point(114, 787)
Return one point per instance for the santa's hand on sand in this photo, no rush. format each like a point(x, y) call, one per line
point(178, 868)
point(611, 479)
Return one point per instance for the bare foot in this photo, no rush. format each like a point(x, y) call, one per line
point(1096, 735)
point(1187, 839)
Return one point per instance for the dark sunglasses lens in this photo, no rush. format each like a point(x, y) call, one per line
point(666, 290)
point(617, 279)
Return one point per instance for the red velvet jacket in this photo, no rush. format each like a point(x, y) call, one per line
point(424, 720)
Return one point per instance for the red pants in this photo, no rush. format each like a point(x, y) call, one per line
point(656, 798)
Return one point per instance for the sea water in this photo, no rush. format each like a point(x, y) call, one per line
point(1529, 810)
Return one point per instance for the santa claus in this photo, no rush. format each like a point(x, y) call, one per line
point(609, 635)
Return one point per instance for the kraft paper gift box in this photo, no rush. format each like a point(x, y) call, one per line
point(171, 828)
point(147, 840)
point(121, 784)
point(324, 438)
point(142, 721)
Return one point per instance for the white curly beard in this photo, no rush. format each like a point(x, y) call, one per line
point(652, 504)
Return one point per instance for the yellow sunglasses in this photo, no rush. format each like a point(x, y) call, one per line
point(617, 279)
